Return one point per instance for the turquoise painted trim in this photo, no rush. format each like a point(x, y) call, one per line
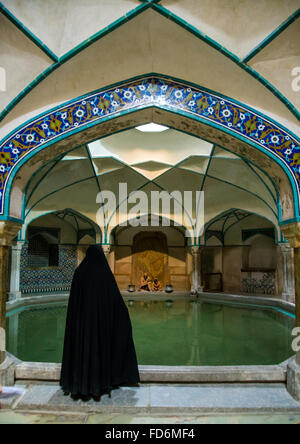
point(235, 223)
point(24, 160)
point(208, 167)
point(231, 211)
point(40, 181)
point(140, 188)
point(98, 185)
point(56, 191)
point(182, 206)
point(75, 183)
point(290, 221)
point(245, 304)
point(174, 18)
point(28, 33)
point(35, 306)
point(92, 166)
point(11, 219)
point(76, 213)
point(245, 190)
point(207, 175)
point(150, 4)
point(253, 164)
point(275, 199)
point(228, 215)
point(275, 228)
point(261, 180)
point(66, 57)
point(272, 36)
point(55, 160)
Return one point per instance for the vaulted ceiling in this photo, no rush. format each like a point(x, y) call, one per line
point(54, 51)
point(168, 161)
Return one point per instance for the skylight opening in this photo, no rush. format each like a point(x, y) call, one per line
point(152, 128)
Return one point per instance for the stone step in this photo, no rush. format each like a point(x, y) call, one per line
point(165, 398)
point(193, 374)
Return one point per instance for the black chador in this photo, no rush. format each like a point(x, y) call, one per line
point(99, 352)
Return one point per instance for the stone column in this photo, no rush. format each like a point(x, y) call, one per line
point(292, 234)
point(16, 251)
point(288, 273)
point(8, 231)
point(197, 286)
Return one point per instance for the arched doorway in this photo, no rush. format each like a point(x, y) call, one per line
point(150, 261)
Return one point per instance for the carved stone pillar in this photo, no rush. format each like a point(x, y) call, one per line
point(288, 273)
point(197, 286)
point(8, 231)
point(292, 233)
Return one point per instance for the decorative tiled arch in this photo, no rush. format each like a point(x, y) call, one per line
point(191, 101)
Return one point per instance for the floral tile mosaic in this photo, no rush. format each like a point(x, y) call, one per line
point(152, 91)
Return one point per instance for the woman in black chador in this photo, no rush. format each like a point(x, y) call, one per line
point(99, 352)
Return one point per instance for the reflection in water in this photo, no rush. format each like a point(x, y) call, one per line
point(168, 333)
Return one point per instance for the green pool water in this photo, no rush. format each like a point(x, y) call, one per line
point(175, 333)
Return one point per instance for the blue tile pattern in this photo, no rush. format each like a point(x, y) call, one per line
point(41, 280)
point(152, 91)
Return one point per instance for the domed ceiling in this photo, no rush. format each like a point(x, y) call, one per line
point(168, 161)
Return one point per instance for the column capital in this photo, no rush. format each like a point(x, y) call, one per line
point(8, 231)
point(17, 246)
point(106, 249)
point(292, 234)
point(285, 247)
point(195, 249)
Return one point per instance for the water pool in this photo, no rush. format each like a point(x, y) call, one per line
point(180, 332)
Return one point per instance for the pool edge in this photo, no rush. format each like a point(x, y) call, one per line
point(36, 371)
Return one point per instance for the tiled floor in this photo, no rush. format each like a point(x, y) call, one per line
point(157, 404)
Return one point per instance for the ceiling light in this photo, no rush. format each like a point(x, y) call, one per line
point(152, 128)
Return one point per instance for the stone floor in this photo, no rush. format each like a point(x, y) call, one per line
point(44, 403)
point(25, 417)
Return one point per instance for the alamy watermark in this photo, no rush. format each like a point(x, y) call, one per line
point(296, 81)
point(296, 341)
point(155, 208)
point(2, 79)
